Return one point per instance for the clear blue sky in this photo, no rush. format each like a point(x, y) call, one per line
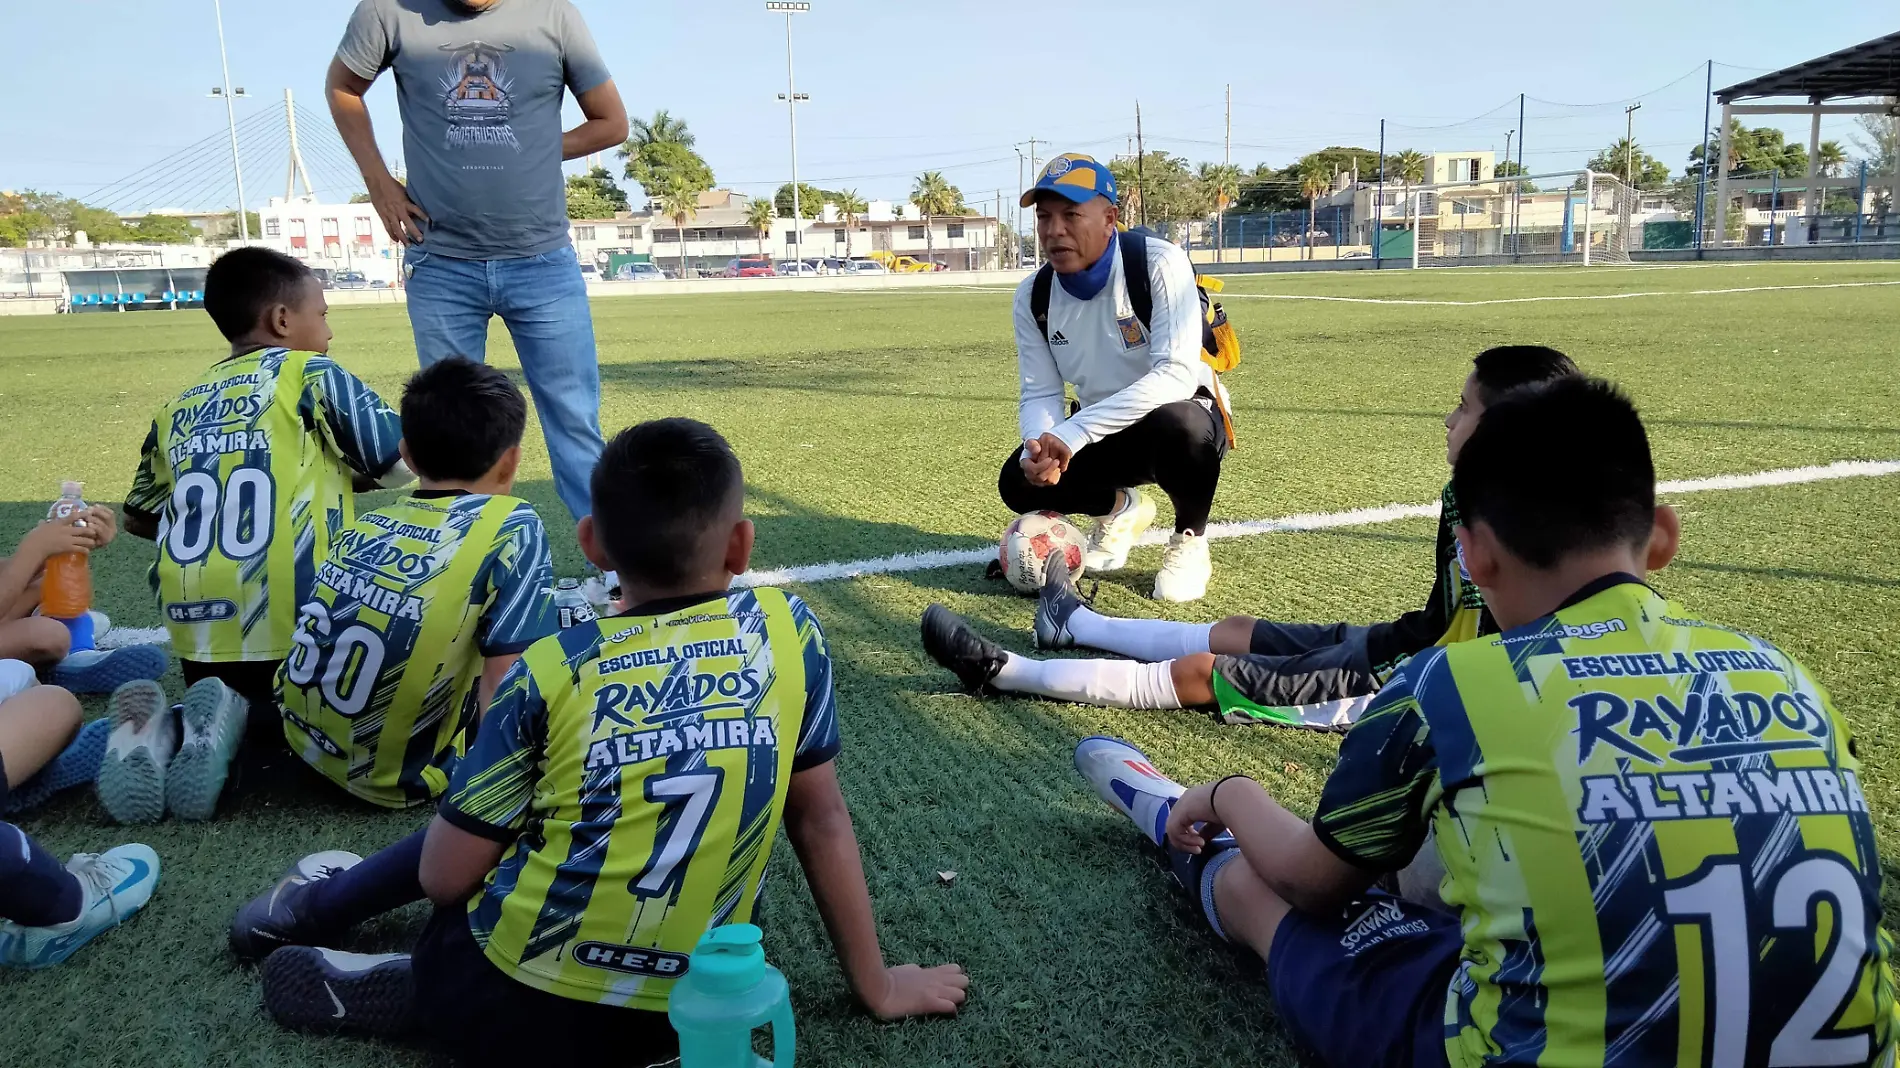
point(105, 88)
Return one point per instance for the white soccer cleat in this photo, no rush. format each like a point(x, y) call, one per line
point(1123, 777)
point(1116, 532)
point(1185, 569)
point(144, 739)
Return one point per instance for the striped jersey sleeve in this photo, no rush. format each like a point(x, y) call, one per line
point(1372, 812)
point(152, 482)
point(521, 574)
point(352, 420)
point(495, 781)
point(818, 741)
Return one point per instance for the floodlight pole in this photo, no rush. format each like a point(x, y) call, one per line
point(230, 119)
point(791, 98)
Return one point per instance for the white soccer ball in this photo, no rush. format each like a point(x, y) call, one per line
point(1028, 542)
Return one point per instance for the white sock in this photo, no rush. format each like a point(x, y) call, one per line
point(1143, 639)
point(1115, 683)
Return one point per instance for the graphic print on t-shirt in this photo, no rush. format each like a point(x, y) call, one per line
point(475, 91)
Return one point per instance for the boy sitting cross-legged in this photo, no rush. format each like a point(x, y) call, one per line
point(620, 799)
point(422, 605)
point(243, 479)
point(1247, 670)
point(1656, 844)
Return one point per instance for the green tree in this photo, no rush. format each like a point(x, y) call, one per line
point(679, 201)
point(1509, 168)
point(1626, 160)
point(1831, 159)
point(658, 151)
point(1315, 180)
point(594, 195)
point(163, 230)
point(359, 198)
point(225, 227)
point(1160, 190)
point(811, 201)
point(19, 227)
point(852, 207)
point(933, 196)
point(1758, 150)
point(759, 217)
point(1220, 183)
point(662, 128)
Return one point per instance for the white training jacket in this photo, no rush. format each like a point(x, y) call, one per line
point(1118, 381)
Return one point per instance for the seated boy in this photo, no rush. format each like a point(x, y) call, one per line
point(48, 909)
point(1251, 671)
point(620, 799)
point(242, 482)
point(421, 606)
point(64, 649)
point(1656, 843)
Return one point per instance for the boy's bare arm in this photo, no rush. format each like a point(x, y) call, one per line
point(454, 862)
point(493, 668)
point(1279, 846)
point(819, 826)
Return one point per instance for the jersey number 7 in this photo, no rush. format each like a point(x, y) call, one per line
point(689, 798)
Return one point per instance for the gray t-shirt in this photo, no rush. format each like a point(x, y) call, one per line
point(480, 94)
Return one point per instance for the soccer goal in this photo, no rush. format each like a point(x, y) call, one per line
point(1581, 217)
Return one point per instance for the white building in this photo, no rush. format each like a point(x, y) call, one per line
point(337, 237)
point(719, 233)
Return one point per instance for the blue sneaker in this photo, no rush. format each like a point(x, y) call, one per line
point(212, 717)
point(103, 671)
point(76, 765)
point(1123, 777)
point(115, 884)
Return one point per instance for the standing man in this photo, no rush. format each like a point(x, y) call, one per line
point(1149, 409)
point(484, 215)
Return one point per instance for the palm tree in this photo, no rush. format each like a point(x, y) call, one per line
point(1831, 159)
point(1314, 181)
point(1409, 167)
point(851, 206)
point(759, 216)
point(680, 202)
point(661, 128)
point(1220, 183)
point(934, 196)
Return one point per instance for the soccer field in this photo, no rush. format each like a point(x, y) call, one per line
point(872, 424)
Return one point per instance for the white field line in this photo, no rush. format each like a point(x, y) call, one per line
point(1306, 521)
point(1537, 300)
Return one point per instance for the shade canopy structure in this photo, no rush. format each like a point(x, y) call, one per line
point(1868, 69)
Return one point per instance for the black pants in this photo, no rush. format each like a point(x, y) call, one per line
point(477, 1014)
point(1300, 664)
point(1177, 447)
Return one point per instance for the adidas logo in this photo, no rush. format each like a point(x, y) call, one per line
point(1057, 339)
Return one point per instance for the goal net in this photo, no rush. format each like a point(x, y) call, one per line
point(1579, 217)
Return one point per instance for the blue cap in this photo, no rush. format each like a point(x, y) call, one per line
point(1075, 176)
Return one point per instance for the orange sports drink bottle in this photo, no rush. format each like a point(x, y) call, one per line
point(66, 590)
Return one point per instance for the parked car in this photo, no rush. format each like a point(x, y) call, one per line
point(827, 265)
point(639, 272)
point(796, 268)
point(864, 267)
point(590, 273)
point(750, 267)
point(349, 280)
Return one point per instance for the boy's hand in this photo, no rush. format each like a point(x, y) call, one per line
point(53, 537)
point(103, 523)
point(913, 990)
point(1191, 821)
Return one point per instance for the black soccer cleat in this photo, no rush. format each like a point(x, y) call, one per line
point(1056, 601)
point(332, 992)
point(278, 917)
point(949, 640)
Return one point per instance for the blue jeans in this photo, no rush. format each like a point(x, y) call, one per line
point(543, 301)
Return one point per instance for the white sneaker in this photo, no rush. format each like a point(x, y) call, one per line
point(16, 676)
point(131, 783)
point(115, 884)
point(1185, 569)
point(1123, 777)
point(1116, 532)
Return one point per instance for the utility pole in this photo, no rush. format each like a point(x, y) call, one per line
point(1378, 208)
point(792, 98)
point(1629, 144)
point(230, 119)
point(1517, 188)
point(1227, 160)
point(1141, 152)
point(1037, 243)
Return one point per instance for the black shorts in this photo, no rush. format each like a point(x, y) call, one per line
point(477, 1014)
point(1297, 675)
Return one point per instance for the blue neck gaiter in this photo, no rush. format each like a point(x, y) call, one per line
point(1084, 284)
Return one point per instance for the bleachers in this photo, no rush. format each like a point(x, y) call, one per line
point(133, 289)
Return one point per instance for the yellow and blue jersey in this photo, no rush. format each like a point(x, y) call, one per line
point(1654, 834)
point(637, 766)
point(379, 690)
point(249, 473)
point(1454, 611)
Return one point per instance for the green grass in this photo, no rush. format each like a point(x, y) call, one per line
point(873, 424)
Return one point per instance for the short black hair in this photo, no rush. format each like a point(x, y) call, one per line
point(244, 281)
point(458, 417)
point(1559, 469)
point(658, 488)
point(1504, 368)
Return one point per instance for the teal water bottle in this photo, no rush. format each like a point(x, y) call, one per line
point(728, 992)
